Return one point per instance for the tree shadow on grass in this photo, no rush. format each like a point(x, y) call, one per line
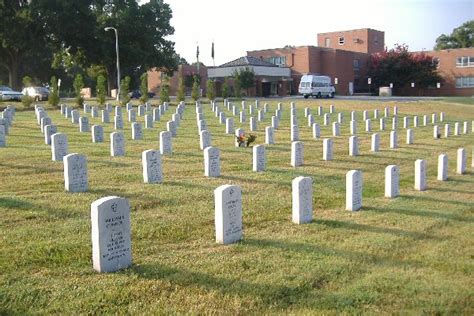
point(419, 213)
point(435, 200)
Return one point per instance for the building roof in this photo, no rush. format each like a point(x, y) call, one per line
point(247, 61)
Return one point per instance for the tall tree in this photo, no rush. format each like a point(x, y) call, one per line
point(101, 89)
point(461, 37)
point(244, 78)
point(181, 93)
point(400, 67)
point(144, 87)
point(195, 90)
point(210, 90)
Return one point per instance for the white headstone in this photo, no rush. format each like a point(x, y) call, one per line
point(111, 241)
point(118, 122)
point(229, 126)
point(326, 119)
point(84, 124)
point(148, 121)
point(353, 190)
point(447, 130)
point(294, 133)
point(392, 180)
point(87, 108)
point(228, 214)
point(395, 110)
point(132, 115)
point(353, 127)
point(425, 120)
point(118, 111)
point(212, 162)
point(320, 110)
point(434, 118)
point(3, 138)
point(117, 144)
point(393, 140)
point(176, 119)
point(332, 109)
point(171, 127)
point(443, 167)
point(410, 136)
point(327, 149)
point(353, 146)
point(261, 115)
point(166, 147)
point(441, 117)
point(239, 133)
point(302, 200)
point(269, 139)
point(386, 112)
point(340, 118)
point(420, 175)
point(307, 112)
point(259, 159)
point(297, 153)
point(335, 129)
point(75, 116)
point(465, 127)
point(48, 131)
point(97, 134)
point(376, 114)
point(242, 117)
point(461, 161)
point(375, 142)
point(253, 124)
point(436, 133)
point(316, 130)
point(382, 124)
point(141, 110)
point(394, 122)
point(310, 120)
point(293, 120)
point(406, 122)
point(75, 173)
point(415, 121)
point(353, 115)
point(368, 126)
point(45, 121)
point(365, 115)
point(204, 139)
point(105, 116)
point(156, 115)
point(94, 111)
point(137, 132)
point(457, 129)
point(275, 122)
point(59, 146)
point(151, 162)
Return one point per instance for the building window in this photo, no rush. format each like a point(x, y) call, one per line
point(465, 82)
point(356, 64)
point(341, 40)
point(327, 42)
point(279, 60)
point(465, 61)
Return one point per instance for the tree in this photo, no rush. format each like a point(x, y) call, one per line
point(144, 87)
point(195, 91)
point(225, 89)
point(78, 86)
point(461, 37)
point(211, 90)
point(181, 94)
point(237, 87)
point(165, 90)
point(101, 89)
point(400, 67)
point(27, 81)
point(53, 98)
point(245, 78)
point(124, 89)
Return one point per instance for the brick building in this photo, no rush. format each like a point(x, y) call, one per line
point(155, 78)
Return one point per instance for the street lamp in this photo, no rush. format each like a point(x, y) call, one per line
point(108, 28)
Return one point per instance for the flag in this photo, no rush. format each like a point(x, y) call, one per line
point(212, 50)
point(197, 53)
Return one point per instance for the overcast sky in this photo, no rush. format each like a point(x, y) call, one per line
point(241, 25)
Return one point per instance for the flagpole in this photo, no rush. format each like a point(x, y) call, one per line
point(213, 60)
point(197, 56)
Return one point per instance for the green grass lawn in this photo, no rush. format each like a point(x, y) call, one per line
point(413, 254)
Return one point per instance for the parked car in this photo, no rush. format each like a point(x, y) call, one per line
point(316, 86)
point(37, 93)
point(7, 94)
point(136, 94)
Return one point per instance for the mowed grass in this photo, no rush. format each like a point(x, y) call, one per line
point(412, 254)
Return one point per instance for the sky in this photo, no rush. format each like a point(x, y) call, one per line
point(239, 26)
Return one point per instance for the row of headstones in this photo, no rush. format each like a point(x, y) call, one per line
point(6, 121)
point(110, 216)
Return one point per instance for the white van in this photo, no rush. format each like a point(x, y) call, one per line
point(316, 86)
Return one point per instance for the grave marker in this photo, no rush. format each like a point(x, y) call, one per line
point(212, 163)
point(166, 147)
point(353, 190)
point(461, 161)
point(48, 131)
point(269, 139)
point(204, 139)
point(353, 146)
point(392, 180)
point(75, 173)
point(59, 146)
point(327, 149)
point(375, 142)
point(84, 124)
point(151, 162)
point(420, 175)
point(259, 160)
point(302, 200)
point(316, 130)
point(97, 134)
point(228, 214)
point(297, 153)
point(117, 144)
point(442, 167)
point(137, 132)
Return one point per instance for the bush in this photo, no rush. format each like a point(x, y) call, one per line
point(78, 86)
point(165, 91)
point(53, 98)
point(211, 90)
point(195, 91)
point(144, 87)
point(225, 89)
point(124, 87)
point(27, 101)
point(101, 89)
point(181, 95)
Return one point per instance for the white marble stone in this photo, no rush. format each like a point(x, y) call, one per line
point(118, 122)
point(447, 130)
point(327, 119)
point(129, 106)
point(222, 118)
point(97, 134)
point(392, 181)
point(212, 162)
point(442, 167)
point(461, 161)
point(84, 124)
point(365, 115)
point(336, 131)
point(393, 140)
point(307, 111)
point(253, 124)
point(166, 147)
point(171, 127)
point(376, 114)
point(327, 149)
point(261, 115)
point(441, 117)
point(151, 163)
point(310, 120)
point(87, 108)
point(368, 125)
point(434, 118)
point(204, 139)
point(175, 117)
point(266, 108)
point(353, 190)
point(111, 238)
point(394, 122)
point(465, 127)
point(425, 120)
point(302, 200)
point(148, 121)
point(48, 131)
point(118, 111)
point(340, 118)
point(94, 111)
point(406, 122)
point(141, 110)
point(242, 117)
point(395, 110)
point(375, 142)
point(269, 135)
point(238, 133)
point(228, 214)
point(293, 120)
point(229, 126)
point(415, 121)
point(275, 122)
point(332, 109)
point(75, 117)
point(316, 130)
point(353, 127)
point(259, 158)
point(278, 114)
point(59, 146)
point(105, 116)
point(132, 115)
point(410, 136)
point(294, 133)
point(386, 112)
point(75, 173)
point(382, 124)
point(420, 175)
point(3, 137)
point(353, 116)
point(45, 121)
point(137, 132)
point(353, 146)
point(297, 153)
point(117, 144)
point(436, 133)
point(457, 129)
point(320, 110)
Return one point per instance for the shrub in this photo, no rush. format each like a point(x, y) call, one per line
point(195, 91)
point(53, 98)
point(211, 90)
point(124, 89)
point(165, 91)
point(101, 89)
point(181, 95)
point(144, 87)
point(78, 86)
point(27, 101)
point(225, 89)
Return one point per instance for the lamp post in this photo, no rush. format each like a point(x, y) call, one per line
point(108, 28)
